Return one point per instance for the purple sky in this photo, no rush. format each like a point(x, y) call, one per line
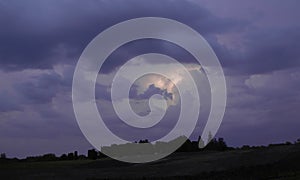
point(257, 43)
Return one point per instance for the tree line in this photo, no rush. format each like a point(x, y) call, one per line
point(216, 144)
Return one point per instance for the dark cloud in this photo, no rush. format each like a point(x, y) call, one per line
point(7, 102)
point(41, 90)
point(34, 31)
point(271, 50)
point(102, 92)
point(141, 101)
point(45, 38)
point(262, 51)
point(151, 90)
point(263, 104)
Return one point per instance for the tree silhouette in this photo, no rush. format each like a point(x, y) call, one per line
point(216, 145)
point(2, 156)
point(200, 142)
point(210, 137)
point(222, 146)
point(143, 141)
point(70, 156)
point(75, 155)
point(92, 154)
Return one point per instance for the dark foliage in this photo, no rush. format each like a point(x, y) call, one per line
point(216, 145)
point(188, 146)
point(2, 156)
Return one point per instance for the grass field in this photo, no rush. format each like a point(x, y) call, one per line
point(281, 162)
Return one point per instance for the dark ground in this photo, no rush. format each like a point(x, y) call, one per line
point(280, 162)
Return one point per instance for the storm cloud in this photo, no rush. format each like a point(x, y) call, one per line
point(41, 41)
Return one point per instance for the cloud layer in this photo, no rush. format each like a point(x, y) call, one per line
point(40, 42)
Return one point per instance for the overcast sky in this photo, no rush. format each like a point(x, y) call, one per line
point(257, 43)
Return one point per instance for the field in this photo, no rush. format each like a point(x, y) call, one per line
point(278, 162)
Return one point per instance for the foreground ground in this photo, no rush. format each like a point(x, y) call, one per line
point(281, 162)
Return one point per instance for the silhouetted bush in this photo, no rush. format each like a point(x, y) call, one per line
point(277, 144)
point(45, 157)
point(2, 156)
point(143, 141)
point(188, 146)
point(63, 157)
point(245, 147)
point(92, 154)
point(82, 157)
point(75, 155)
point(217, 145)
point(70, 156)
point(101, 155)
point(288, 143)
